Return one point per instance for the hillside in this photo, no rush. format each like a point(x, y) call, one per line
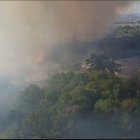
point(88, 105)
point(92, 103)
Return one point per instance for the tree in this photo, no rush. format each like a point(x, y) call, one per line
point(31, 98)
point(103, 63)
point(106, 106)
point(130, 104)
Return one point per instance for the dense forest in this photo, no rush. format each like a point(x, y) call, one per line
point(87, 105)
point(91, 104)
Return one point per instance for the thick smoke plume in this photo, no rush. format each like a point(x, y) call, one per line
point(36, 36)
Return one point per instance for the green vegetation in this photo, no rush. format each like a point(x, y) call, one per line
point(71, 104)
point(128, 31)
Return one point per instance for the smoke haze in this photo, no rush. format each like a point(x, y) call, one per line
point(32, 32)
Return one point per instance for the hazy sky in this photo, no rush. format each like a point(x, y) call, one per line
point(133, 8)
